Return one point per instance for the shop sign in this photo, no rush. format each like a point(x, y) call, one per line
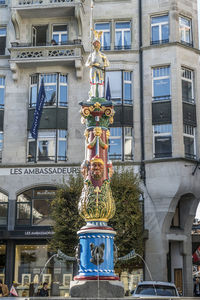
point(38, 233)
point(40, 171)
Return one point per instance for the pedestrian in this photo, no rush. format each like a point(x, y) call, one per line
point(4, 292)
point(197, 287)
point(44, 290)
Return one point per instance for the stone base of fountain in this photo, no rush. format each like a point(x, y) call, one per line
point(96, 289)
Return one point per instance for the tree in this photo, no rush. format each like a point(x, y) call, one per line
point(127, 220)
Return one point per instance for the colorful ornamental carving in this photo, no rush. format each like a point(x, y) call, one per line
point(96, 205)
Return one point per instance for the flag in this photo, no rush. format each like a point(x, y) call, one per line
point(13, 291)
point(38, 110)
point(108, 94)
point(196, 255)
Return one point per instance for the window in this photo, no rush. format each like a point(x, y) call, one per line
point(2, 2)
point(60, 34)
point(161, 83)
point(120, 143)
point(3, 209)
point(51, 146)
point(120, 86)
point(185, 30)
point(162, 140)
point(2, 40)
point(33, 207)
point(122, 35)
point(55, 89)
point(159, 29)
point(40, 35)
point(187, 85)
point(189, 141)
point(2, 91)
point(105, 38)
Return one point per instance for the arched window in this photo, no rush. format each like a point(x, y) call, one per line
point(3, 209)
point(33, 206)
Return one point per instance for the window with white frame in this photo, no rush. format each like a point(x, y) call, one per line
point(185, 30)
point(121, 143)
point(2, 40)
point(161, 83)
point(55, 89)
point(120, 83)
point(160, 29)
point(162, 140)
point(189, 141)
point(2, 91)
point(122, 35)
point(105, 37)
point(51, 146)
point(187, 78)
point(60, 34)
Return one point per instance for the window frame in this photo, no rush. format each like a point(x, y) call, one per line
point(121, 99)
point(191, 136)
point(58, 83)
point(123, 30)
point(1, 36)
point(60, 34)
point(154, 78)
point(55, 138)
point(184, 70)
point(162, 135)
point(2, 86)
point(184, 29)
point(123, 137)
point(159, 24)
point(30, 202)
point(103, 34)
point(7, 204)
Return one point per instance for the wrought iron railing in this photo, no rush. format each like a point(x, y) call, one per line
point(163, 97)
point(188, 99)
point(163, 155)
point(46, 158)
point(23, 45)
point(189, 44)
point(190, 155)
point(41, 2)
point(119, 47)
point(160, 42)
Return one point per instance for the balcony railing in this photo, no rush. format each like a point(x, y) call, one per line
point(120, 47)
point(26, 51)
point(160, 42)
point(189, 44)
point(188, 99)
point(29, 3)
point(161, 98)
point(163, 155)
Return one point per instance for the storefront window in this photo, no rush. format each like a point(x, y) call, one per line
point(30, 273)
point(2, 261)
point(3, 209)
point(33, 207)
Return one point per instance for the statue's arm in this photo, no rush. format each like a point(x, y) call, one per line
point(88, 62)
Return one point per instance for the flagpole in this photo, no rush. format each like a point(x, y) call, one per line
point(91, 24)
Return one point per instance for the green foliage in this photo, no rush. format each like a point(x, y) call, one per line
point(127, 220)
point(64, 212)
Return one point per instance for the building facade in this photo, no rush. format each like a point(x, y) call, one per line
point(153, 75)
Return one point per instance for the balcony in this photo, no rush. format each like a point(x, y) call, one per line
point(45, 8)
point(25, 55)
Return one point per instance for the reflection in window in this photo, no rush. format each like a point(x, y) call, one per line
point(105, 37)
point(162, 140)
point(187, 85)
point(120, 143)
point(30, 260)
point(185, 30)
point(3, 209)
point(161, 83)
point(46, 149)
point(122, 35)
point(159, 29)
point(2, 91)
point(60, 34)
point(120, 86)
point(33, 207)
point(2, 40)
point(55, 88)
point(189, 141)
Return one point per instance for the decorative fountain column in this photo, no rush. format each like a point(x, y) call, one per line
point(95, 253)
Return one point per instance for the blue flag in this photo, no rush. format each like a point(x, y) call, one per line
point(108, 93)
point(38, 110)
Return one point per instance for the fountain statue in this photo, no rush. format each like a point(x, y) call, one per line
point(96, 252)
